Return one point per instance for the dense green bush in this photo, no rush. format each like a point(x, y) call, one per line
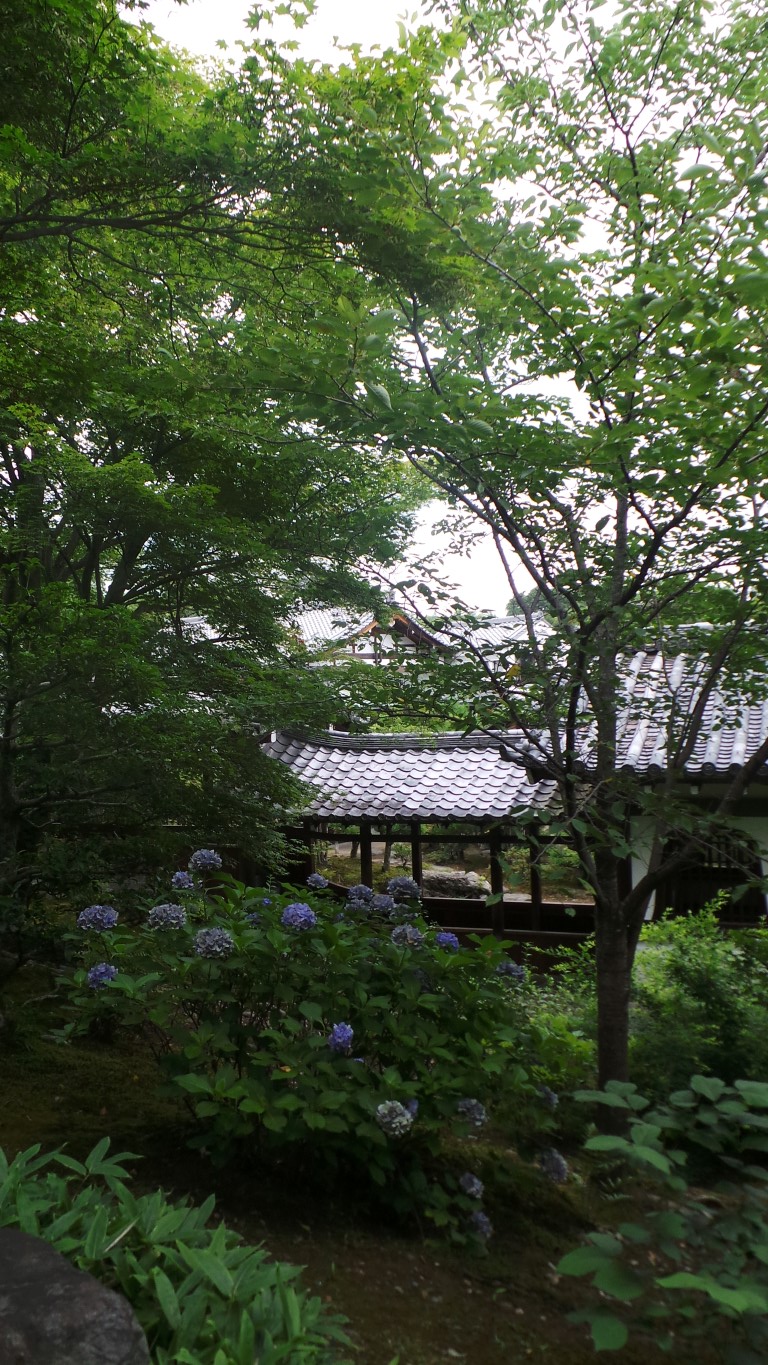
point(354, 1037)
point(202, 1296)
point(700, 1003)
point(693, 1266)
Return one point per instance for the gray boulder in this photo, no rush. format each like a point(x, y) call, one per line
point(53, 1314)
point(447, 881)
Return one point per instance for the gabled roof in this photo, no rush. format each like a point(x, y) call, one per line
point(324, 628)
point(442, 777)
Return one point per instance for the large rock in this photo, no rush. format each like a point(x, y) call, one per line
point(53, 1314)
point(447, 881)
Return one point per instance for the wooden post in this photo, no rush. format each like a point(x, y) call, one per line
point(535, 870)
point(497, 884)
point(366, 853)
point(417, 870)
point(307, 831)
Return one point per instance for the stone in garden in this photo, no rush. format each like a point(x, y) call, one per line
point(446, 881)
point(53, 1314)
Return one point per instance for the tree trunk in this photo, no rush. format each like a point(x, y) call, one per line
point(614, 971)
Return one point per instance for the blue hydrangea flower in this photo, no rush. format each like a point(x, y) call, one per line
point(554, 1166)
point(473, 1112)
point(298, 916)
point(513, 971)
point(97, 917)
point(383, 905)
point(447, 941)
point(101, 975)
point(181, 881)
point(471, 1185)
point(214, 943)
point(548, 1097)
point(393, 1118)
point(265, 900)
point(253, 918)
point(340, 1038)
point(407, 936)
point(403, 888)
point(167, 917)
point(204, 860)
point(413, 1108)
point(360, 892)
point(480, 1225)
point(355, 905)
point(316, 881)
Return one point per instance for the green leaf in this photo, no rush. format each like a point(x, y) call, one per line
point(608, 1333)
point(381, 395)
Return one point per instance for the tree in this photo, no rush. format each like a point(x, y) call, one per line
point(583, 371)
point(165, 501)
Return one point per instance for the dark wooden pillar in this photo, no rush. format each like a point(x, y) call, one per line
point(308, 832)
point(417, 868)
point(366, 853)
point(497, 884)
point(535, 870)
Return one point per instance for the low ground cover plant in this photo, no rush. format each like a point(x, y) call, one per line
point(354, 1037)
point(201, 1295)
point(693, 1265)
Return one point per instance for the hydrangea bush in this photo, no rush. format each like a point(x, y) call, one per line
point(282, 1024)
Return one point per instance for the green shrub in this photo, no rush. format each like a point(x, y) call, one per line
point(700, 1003)
point(202, 1296)
point(332, 1040)
point(695, 1265)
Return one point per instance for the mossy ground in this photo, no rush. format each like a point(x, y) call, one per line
point(408, 1298)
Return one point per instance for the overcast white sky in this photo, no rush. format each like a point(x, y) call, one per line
point(198, 26)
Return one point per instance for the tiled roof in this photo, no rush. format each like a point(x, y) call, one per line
point(409, 777)
point(321, 628)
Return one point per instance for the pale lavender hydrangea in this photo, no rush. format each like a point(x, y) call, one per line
point(167, 917)
point(513, 971)
point(316, 881)
point(473, 1112)
point(407, 936)
point(554, 1166)
point(360, 892)
point(204, 860)
point(403, 888)
point(298, 916)
point(548, 1097)
point(382, 904)
point(181, 881)
point(447, 941)
point(101, 975)
point(340, 1038)
point(214, 943)
point(98, 917)
point(393, 1118)
point(470, 1185)
point(480, 1225)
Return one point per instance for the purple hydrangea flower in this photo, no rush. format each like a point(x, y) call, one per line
point(101, 975)
point(393, 1118)
point(554, 1166)
point(265, 900)
point(181, 881)
point(360, 892)
point(403, 888)
point(480, 1225)
point(97, 917)
point(356, 905)
point(214, 943)
point(204, 860)
point(512, 970)
point(447, 941)
point(413, 1108)
point(407, 936)
point(298, 916)
point(340, 1038)
point(473, 1112)
point(383, 905)
point(548, 1097)
point(471, 1185)
point(167, 917)
point(253, 918)
point(316, 881)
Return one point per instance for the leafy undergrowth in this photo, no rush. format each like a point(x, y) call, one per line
point(418, 1301)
